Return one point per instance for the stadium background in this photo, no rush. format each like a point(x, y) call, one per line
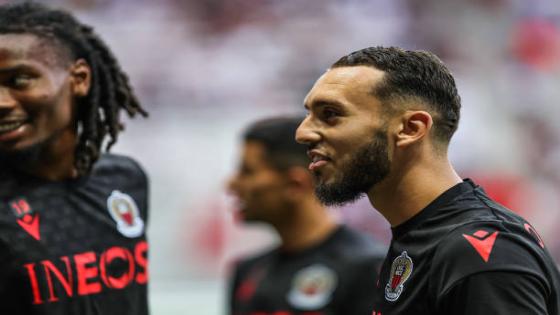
point(204, 69)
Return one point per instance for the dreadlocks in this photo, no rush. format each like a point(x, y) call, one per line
point(110, 92)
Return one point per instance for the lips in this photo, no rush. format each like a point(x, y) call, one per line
point(318, 159)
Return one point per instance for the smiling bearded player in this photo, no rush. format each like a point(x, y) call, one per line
point(72, 219)
point(380, 121)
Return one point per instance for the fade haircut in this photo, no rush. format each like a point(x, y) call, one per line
point(412, 76)
point(277, 135)
point(98, 113)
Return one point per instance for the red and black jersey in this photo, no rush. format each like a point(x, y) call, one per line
point(466, 254)
point(76, 246)
point(334, 277)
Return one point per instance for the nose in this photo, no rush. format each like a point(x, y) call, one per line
point(306, 133)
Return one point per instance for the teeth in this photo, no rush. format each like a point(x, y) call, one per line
point(10, 126)
point(317, 158)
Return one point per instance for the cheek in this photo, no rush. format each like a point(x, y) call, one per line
point(350, 138)
point(265, 191)
point(53, 110)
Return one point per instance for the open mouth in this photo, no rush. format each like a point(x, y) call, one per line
point(317, 160)
point(10, 126)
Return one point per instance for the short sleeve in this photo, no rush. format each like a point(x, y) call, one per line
point(489, 264)
point(496, 293)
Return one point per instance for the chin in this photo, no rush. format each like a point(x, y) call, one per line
point(322, 179)
point(319, 177)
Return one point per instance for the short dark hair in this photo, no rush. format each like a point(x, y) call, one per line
point(413, 74)
point(110, 92)
point(277, 135)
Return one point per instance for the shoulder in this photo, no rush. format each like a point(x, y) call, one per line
point(247, 265)
point(506, 243)
point(357, 249)
point(254, 259)
point(110, 163)
point(352, 242)
point(117, 168)
point(121, 177)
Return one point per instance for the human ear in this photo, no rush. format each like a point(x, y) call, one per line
point(415, 125)
point(80, 78)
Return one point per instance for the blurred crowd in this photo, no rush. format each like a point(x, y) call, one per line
point(204, 69)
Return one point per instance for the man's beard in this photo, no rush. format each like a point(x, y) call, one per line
point(368, 166)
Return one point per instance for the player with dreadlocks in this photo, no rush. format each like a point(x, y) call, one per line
point(72, 218)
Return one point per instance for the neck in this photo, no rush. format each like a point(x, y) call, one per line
point(399, 197)
point(311, 224)
point(55, 159)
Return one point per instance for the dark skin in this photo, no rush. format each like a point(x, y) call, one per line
point(39, 86)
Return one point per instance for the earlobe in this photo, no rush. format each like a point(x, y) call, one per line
point(80, 76)
point(415, 126)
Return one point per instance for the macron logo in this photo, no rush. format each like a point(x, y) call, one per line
point(482, 242)
point(26, 217)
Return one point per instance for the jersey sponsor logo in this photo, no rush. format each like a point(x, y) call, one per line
point(26, 217)
point(125, 212)
point(531, 230)
point(483, 242)
point(87, 273)
point(401, 269)
point(312, 287)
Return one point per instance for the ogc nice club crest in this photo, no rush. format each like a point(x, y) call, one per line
point(400, 272)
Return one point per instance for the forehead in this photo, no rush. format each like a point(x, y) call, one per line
point(29, 48)
point(255, 155)
point(344, 85)
point(253, 152)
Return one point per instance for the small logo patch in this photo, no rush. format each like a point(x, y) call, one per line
point(124, 211)
point(312, 287)
point(401, 269)
point(26, 217)
point(482, 242)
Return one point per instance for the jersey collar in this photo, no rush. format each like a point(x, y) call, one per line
point(466, 186)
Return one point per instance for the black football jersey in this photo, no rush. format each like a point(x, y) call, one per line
point(337, 276)
point(75, 246)
point(466, 254)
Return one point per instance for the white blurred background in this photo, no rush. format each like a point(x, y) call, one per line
point(204, 69)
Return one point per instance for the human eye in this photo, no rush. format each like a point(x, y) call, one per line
point(21, 81)
point(330, 115)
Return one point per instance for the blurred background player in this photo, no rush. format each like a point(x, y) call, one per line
point(72, 219)
point(320, 266)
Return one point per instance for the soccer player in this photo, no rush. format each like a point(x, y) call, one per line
point(379, 123)
point(320, 267)
point(72, 219)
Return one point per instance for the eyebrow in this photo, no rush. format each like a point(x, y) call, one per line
point(16, 68)
point(322, 103)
